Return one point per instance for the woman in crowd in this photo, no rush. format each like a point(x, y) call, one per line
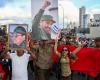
point(64, 59)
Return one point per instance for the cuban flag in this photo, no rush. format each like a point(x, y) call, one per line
point(55, 31)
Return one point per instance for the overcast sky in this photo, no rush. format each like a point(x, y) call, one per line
point(22, 8)
point(71, 8)
point(15, 8)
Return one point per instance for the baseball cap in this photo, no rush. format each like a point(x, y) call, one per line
point(47, 18)
point(20, 30)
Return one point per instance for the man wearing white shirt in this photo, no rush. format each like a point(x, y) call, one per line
point(19, 64)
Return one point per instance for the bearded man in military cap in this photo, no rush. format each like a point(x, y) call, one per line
point(18, 39)
point(41, 24)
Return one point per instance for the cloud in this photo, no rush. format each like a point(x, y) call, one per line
point(95, 11)
point(71, 12)
point(16, 10)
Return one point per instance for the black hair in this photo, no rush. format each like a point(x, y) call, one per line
point(63, 50)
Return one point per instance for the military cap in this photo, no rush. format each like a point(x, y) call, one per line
point(47, 18)
point(20, 30)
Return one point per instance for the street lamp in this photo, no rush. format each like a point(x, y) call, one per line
point(63, 14)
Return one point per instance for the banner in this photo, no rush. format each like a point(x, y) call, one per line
point(17, 36)
point(44, 14)
point(87, 61)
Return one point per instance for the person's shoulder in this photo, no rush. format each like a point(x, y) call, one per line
point(26, 53)
point(11, 54)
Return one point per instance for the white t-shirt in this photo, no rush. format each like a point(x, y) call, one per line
point(19, 66)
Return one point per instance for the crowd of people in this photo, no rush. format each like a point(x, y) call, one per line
point(60, 57)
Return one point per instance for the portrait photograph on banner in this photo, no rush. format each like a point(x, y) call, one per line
point(44, 15)
point(17, 36)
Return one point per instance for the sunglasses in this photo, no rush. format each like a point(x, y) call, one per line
point(65, 50)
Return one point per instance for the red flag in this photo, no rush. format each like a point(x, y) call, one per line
point(71, 47)
point(86, 62)
point(98, 60)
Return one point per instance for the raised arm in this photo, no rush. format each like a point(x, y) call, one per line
point(37, 18)
point(73, 53)
point(31, 50)
point(32, 54)
point(45, 5)
point(55, 47)
point(5, 55)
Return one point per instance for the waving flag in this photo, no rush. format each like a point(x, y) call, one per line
point(55, 31)
point(87, 61)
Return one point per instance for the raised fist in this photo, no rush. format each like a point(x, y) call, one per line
point(46, 4)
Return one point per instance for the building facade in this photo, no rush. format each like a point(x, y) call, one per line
point(82, 11)
point(96, 20)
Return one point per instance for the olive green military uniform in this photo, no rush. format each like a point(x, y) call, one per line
point(37, 32)
point(21, 30)
point(23, 45)
point(43, 62)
